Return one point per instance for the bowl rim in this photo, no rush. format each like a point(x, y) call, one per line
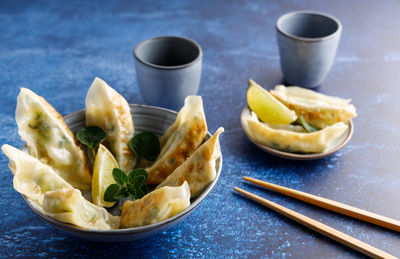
point(330, 36)
point(192, 42)
point(128, 231)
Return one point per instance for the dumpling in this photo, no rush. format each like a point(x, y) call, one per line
point(50, 140)
point(180, 140)
point(69, 206)
point(41, 183)
point(108, 110)
point(32, 177)
point(317, 109)
point(156, 206)
point(199, 169)
point(293, 140)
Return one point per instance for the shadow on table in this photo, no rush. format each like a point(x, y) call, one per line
point(143, 248)
point(263, 159)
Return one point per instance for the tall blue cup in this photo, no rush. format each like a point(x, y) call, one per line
point(168, 69)
point(307, 41)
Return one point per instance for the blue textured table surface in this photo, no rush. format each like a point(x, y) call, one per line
point(57, 48)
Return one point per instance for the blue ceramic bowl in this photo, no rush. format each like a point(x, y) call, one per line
point(168, 69)
point(145, 118)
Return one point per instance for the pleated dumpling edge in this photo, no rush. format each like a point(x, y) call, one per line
point(318, 109)
point(107, 109)
point(180, 140)
point(200, 168)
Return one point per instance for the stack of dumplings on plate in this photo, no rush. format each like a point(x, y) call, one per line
point(54, 173)
point(330, 114)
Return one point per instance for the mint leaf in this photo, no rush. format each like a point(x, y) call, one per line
point(138, 180)
point(309, 128)
point(145, 145)
point(132, 197)
point(120, 194)
point(124, 191)
point(144, 189)
point(120, 176)
point(139, 193)
point(131, 189)
point(91, 136)
point(109, 195)
point(138, 177)
point(132, 185)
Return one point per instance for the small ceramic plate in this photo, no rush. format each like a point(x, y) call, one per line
point(145, 118)
point(335, 145)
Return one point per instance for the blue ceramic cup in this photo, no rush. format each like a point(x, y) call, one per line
point(307, 41)
point(168, 69)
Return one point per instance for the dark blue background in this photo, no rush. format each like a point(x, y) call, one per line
point(56, 48)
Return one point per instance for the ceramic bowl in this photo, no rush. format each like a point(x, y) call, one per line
point(150, 118)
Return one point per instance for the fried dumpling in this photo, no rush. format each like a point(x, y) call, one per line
point(50, 140)
point(156, 206)
point(199, 169)
point(32, 177)
point(108, 110)
point(180, 140)
point(290, 138)
point(69, 206)
point(317, 109)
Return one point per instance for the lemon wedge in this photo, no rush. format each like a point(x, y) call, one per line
point(104, 164)
point(267, 107)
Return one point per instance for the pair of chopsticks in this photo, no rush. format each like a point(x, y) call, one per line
point(327, 204)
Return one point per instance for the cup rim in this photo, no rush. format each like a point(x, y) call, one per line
point(306, 39)
point(194, 43)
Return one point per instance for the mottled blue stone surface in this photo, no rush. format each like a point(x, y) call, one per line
point(56, 48)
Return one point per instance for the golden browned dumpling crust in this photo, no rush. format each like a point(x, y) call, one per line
point(180, 140)
point(156, 206)
point(318, 109)
point(199, 169)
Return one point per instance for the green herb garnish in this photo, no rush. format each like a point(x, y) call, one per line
point(145, 145)
point(91, 136)
point(309, 128)
point(132, 185)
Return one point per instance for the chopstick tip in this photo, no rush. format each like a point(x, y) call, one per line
point(237, 189)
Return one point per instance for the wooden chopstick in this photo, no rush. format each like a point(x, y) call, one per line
point(319, 227)
point(331, 205)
